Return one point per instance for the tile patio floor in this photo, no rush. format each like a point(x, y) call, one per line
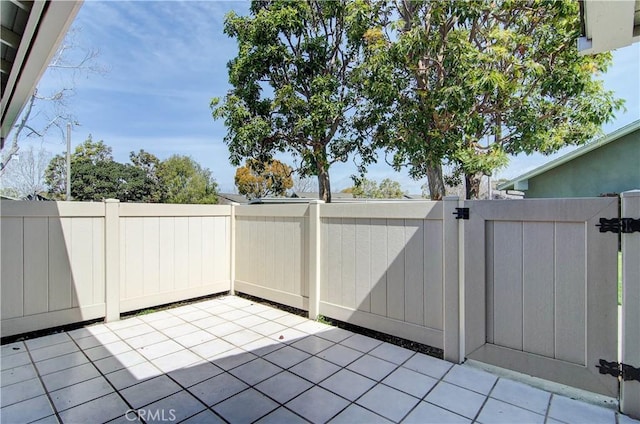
point(230, 359)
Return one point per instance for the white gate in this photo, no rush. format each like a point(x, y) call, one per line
point(540, 290)
point(630, 396)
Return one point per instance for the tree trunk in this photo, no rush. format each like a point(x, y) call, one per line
point(435, 181)
point(472, 185)
point(13, 150)
point(324, 185)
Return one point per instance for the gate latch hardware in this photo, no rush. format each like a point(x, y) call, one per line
point(619, 225)
point(617, 369)
point(461, 213)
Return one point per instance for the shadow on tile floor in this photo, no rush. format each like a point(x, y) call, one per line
point(230, 359)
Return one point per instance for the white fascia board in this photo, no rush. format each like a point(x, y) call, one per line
point(46, 28)
point(608, 25)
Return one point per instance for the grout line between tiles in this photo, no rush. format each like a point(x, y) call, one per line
point(53, 406)
point(475, 418)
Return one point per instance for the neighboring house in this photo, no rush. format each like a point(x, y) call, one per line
point(348, 197)
point(609, 165)
point(229, 198)
point(314, 195)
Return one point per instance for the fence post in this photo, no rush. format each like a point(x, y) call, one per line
point(232, 247)
point(451, 292)
point(112, 259)
point(313, 249)
point(630, 390)
point(462, 283)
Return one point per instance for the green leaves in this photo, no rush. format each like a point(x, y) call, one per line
point(108, 179)
point(460, 73)
point(96, 176)
point(259, 179)
point(386, 189)
point(294, 84)
point(333, 79)
point(185, 181)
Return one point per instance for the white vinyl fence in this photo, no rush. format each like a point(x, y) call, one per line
point(172, 252)
point(382, 267)
point(523, 284)
point(271, 252)
point(52, 264)
point(67, 262)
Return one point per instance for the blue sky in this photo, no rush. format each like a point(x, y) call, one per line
point(166, 61)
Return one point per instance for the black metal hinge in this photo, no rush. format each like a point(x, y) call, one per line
point(617, 369)
point(461, 213)
point(619, 225)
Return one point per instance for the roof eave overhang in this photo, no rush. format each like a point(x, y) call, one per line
point(607, 25)
point(46, 27)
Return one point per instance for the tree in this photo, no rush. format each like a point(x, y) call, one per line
point(303, 184)
point(365, 188)
point(469, 83)
point(390, 189)
point(93, 151)
point(185, 181)
point(149, 164)
point(55, 177)
point(426, 194)
point(49, 110)
point(26, 176)
point(387, 189)
point(398, 91)
point(293, 85)
point(96, 176)
point(108, 179)
point(56, 172)
point(256, 180)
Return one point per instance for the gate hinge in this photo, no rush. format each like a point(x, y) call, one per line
point(461, 213)
point(619, 225)
point(617, 369)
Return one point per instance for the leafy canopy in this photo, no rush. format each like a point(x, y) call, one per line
point(149, 164)
point(293, 88)
point(386, 189)
point(185, 181)
point(470, 82)
point(108, 179)
point(96, 176)
point(256, 180)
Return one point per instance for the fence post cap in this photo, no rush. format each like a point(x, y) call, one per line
point(631, 193)
point(111, 201)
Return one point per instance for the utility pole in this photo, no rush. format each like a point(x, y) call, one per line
point(68, 161)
